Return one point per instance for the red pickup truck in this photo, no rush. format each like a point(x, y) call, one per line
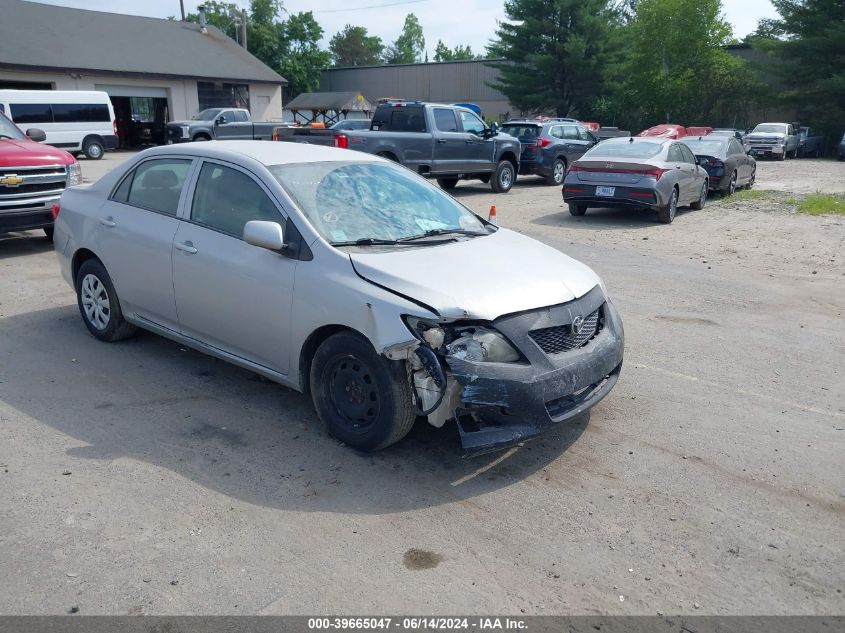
point(32, 178)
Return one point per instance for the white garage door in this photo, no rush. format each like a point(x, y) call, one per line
point(132, 91)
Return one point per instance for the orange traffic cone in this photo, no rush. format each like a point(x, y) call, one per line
point(492, 217)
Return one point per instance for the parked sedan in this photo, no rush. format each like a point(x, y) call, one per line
point(726, 163)
point(651, 172)
point(550, 146)
point(333, 273)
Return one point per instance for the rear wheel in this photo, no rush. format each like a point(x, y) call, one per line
point(558, 172)
point(503, 177)
point(729, 190)
point(447, 183)
point(667, 213)
point(363, 399)
point(93, 149)
point(698, 205)
point(577, 209)
point(98, 303)
point(48, 231)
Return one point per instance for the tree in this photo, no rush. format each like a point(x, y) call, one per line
point(678, 70)
point(302, 62)
point(219, 14)
point(354, 47)
point(409, 46)
point(443, 53)
point(558, 53)
point(807, 42)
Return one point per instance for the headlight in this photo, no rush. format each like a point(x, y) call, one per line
point(185, 131)
point(74, 174)
point(474, 343)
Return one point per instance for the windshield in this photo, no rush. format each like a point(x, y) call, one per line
point(208, 115)
point(626, 149)
point(522, 131)
point(771, 128)
point(348, 201)
point(710, 148)
point(9, 129)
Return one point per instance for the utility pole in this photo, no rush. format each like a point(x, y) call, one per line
point(182, 8)
point(243, 28)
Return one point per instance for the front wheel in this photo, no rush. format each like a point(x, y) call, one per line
point(753, 178)
point(447, 183)
point(503, 177)
point(667, 213)
point(558, 173)
point(99, 305)
point(698, 205)
point(364, 400)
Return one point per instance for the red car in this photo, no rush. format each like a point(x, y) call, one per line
point(666, 130)
point(32, 178)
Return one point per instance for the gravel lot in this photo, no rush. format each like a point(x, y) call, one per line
point(144, 478)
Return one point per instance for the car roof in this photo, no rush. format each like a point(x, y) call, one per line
point(265, 152)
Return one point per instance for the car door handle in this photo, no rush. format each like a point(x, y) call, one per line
point(108, 222)
point(186, 247)
point(442, 141)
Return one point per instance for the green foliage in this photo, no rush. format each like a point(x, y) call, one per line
point(218, 14)
point(823, 204)
point(443, 53)
point(559, 53)
point(354, 47)
point(303, 62)
point(808, 42)
point(409, 46)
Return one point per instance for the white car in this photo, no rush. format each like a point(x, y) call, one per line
point(345, 275)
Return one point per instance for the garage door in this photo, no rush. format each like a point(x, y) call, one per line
point(132, 91)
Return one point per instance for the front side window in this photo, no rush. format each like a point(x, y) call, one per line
point(472, 123)
point(226, 199)
point(570, 132)
point(227, 116)
point(584, 134)
point(445, 120)
point(9, 129)
point(349, 201)
point(155, 185)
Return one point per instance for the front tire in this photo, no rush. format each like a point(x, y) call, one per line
point(364, 400)
point(99, 304)
point(93, 149)
point(752, 179)
point(447, 183)
point(558, 172)
point(577, 209)
point(503, 177)
point(48, 232)
point(667, 213)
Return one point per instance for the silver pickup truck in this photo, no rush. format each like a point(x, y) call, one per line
point(449, 143)
point(219, 124)
point(773, 139)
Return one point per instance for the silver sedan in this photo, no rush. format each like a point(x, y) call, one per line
point(654, 173)
point(334, 272)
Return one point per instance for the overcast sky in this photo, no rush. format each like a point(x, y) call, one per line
point(467, 22)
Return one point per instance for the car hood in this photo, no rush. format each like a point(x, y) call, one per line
point(26, 153)
point(754, 135)
point(480, 278)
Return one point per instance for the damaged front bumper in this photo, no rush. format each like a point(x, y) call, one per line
point(504, 404)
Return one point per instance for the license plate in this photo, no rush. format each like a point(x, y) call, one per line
point(777, 150)
point(605, 191)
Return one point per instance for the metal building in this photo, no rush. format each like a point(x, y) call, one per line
point(443, 82)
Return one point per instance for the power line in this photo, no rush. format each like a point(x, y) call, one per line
point(372, 6)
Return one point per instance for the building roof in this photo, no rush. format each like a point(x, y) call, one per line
point(36, 36)
point(322, 101)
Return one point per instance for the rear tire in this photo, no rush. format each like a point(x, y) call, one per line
point(577, 209)
point(782, 156)
point(93, 149)
point(667, 214)
point(364, 400)
point(447, 183)
point(48, 231)
point(731, 186)
point(698, 205)
point(558, 172)
point(503, 177)
point(99, 304)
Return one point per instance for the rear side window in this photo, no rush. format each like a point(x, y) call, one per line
point(226, 199)
point(31, 112)
point(570, 132)
point(241, 117)
point(155, 185)
point(445, 120)
point(80, 113)
point(735, 147)
point(686, 152)
point(406, 120)
point(556, 131)
point(675, 154)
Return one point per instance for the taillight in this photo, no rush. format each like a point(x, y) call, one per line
point(543, 142)
point(114, 127)
point(55, 209)
point(655, 173)
point(276, 134)
point(341, 141)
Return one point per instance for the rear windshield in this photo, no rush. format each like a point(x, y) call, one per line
point(771, 128)
point(522, 131)
point(628, 149)
point(711, 148)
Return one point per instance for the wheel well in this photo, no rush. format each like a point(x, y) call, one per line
point(309, 348)
point(389, 156)
point(93, 137)
point(80, 257)
point(201, 135)
point(510, 157)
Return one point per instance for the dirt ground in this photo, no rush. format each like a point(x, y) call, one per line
point(144, 478)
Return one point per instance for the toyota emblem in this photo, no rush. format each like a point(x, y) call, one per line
point(577, 324)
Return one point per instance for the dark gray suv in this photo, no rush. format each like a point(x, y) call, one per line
point(550, 145)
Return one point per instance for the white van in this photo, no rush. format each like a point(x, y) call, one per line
point(75, 120)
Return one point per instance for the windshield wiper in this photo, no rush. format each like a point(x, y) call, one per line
point(435, 232)
point(375, 241)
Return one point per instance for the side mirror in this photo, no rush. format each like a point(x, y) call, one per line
point(219, 120)
point(36, 134)
point(263, 234)
point(489, 132)
point(495, 127)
